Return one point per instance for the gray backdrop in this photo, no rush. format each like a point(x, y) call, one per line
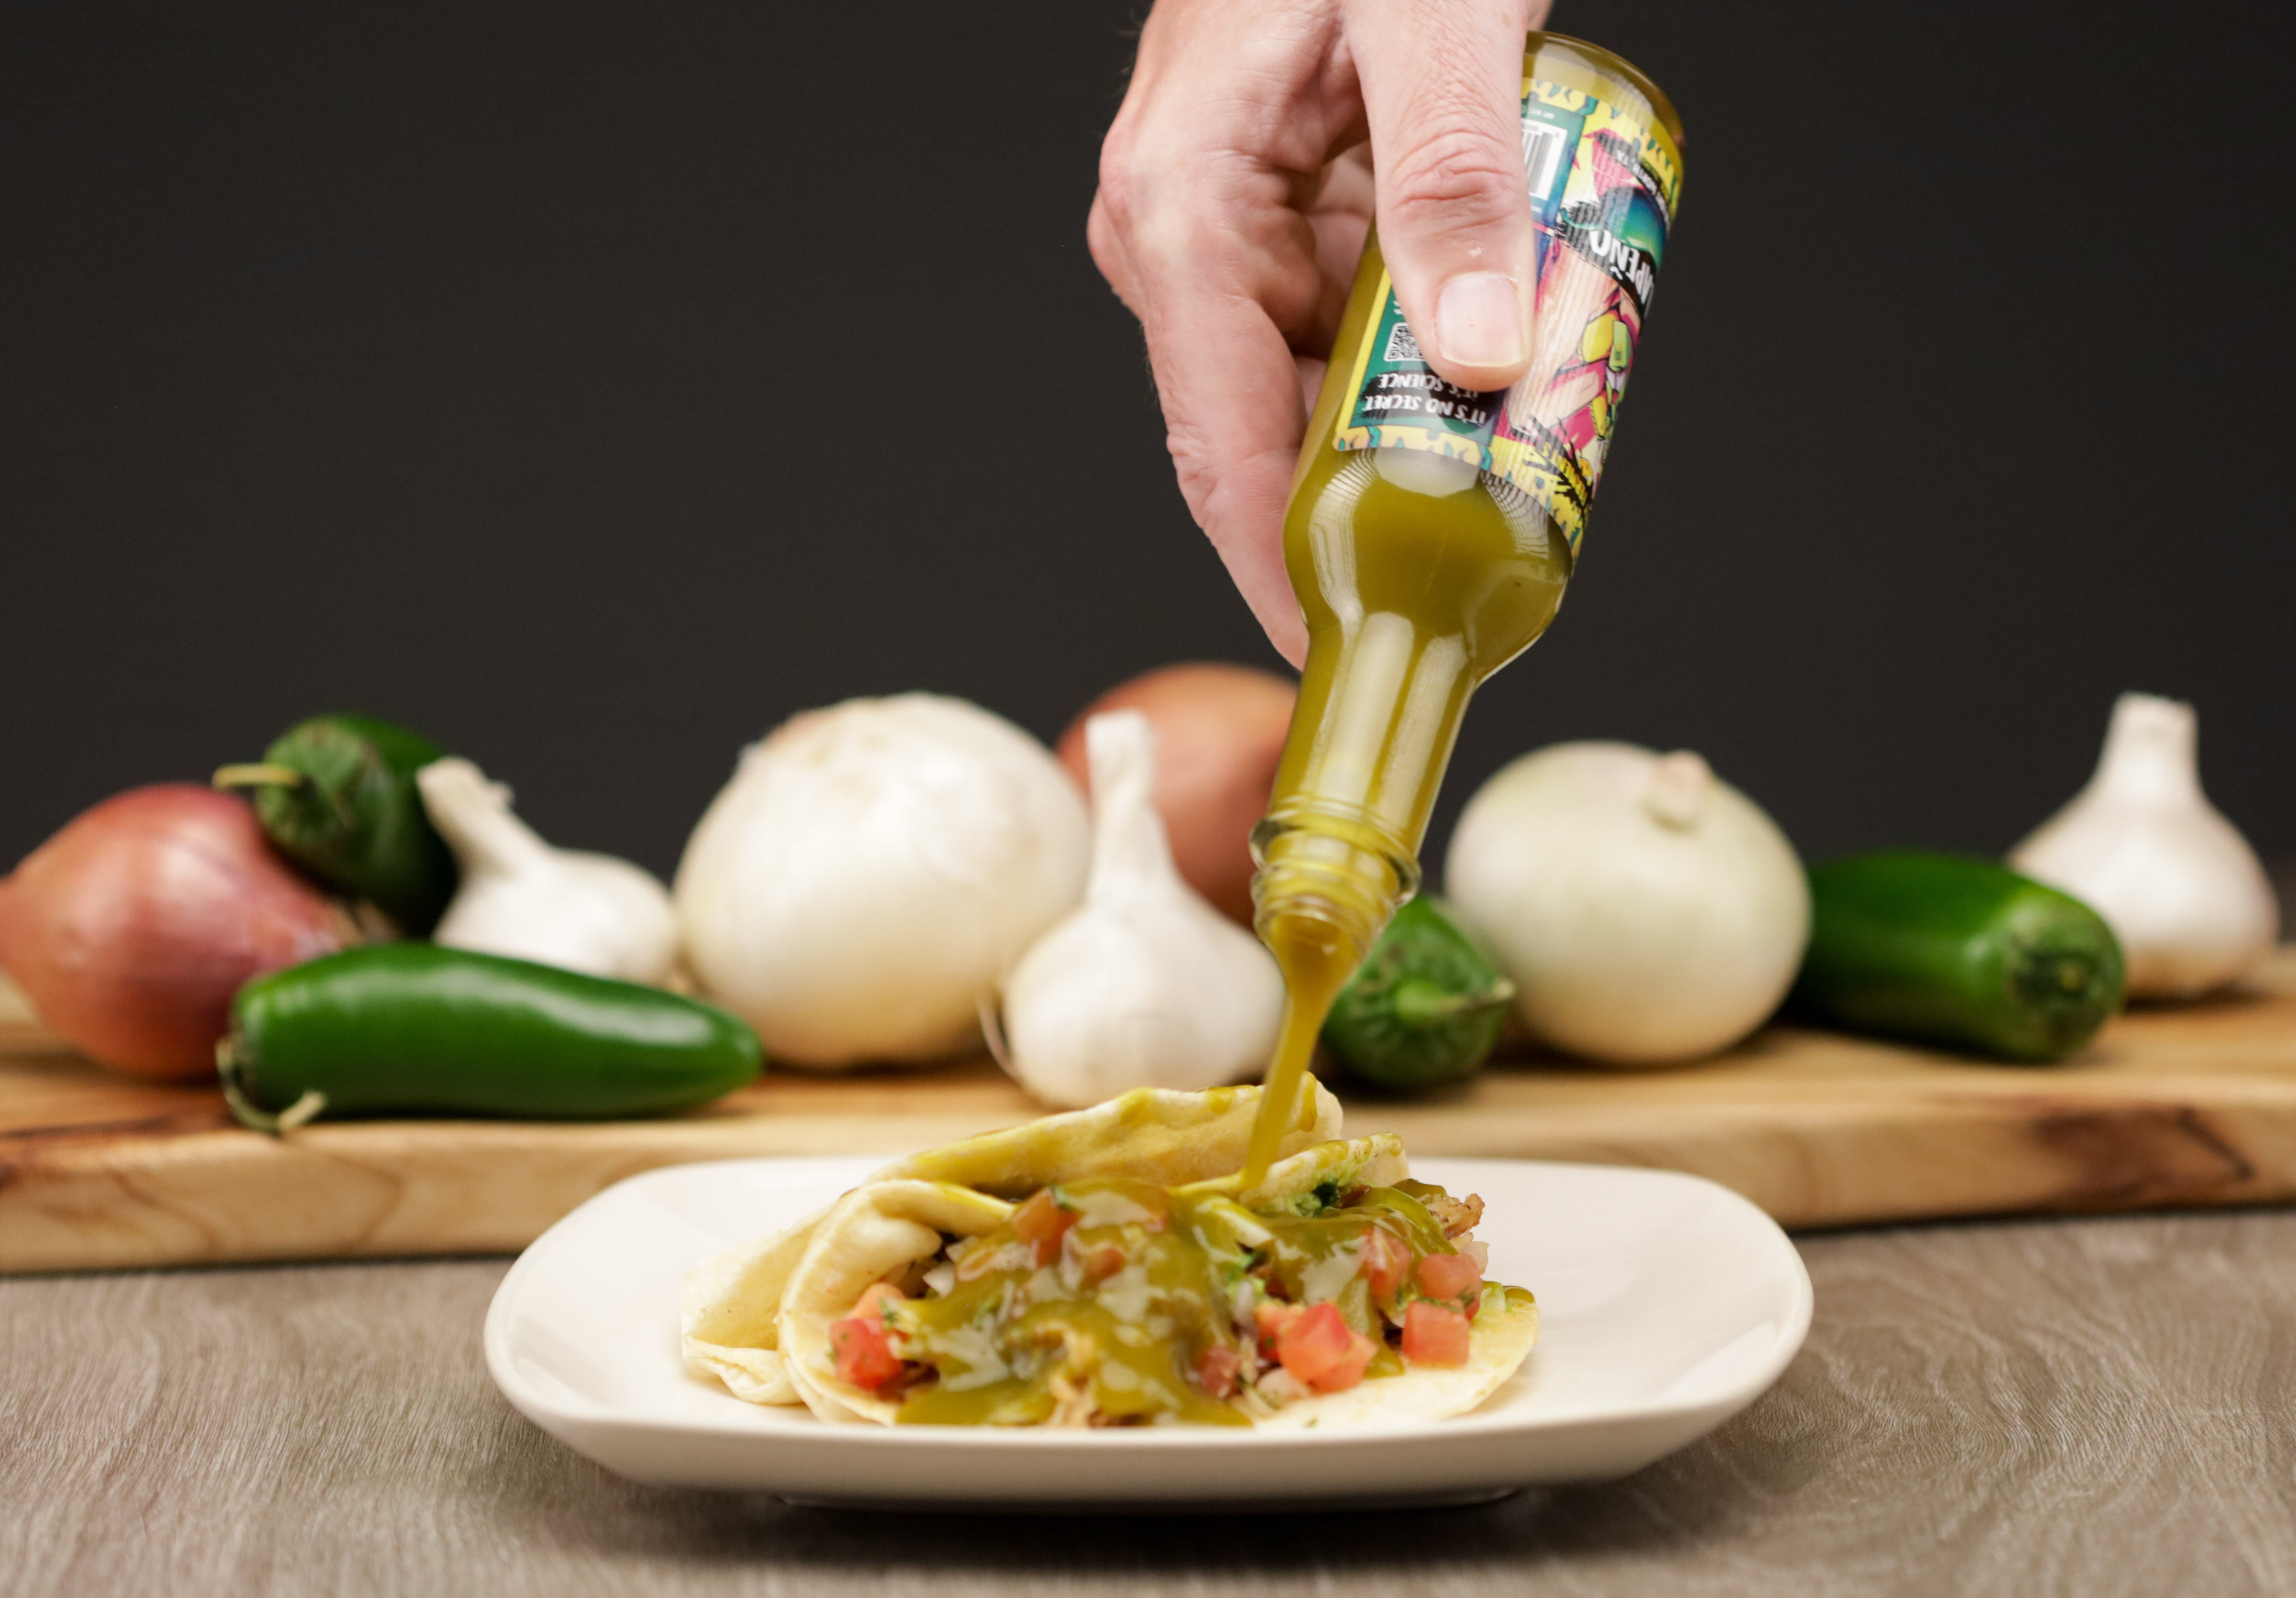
point(594, 386)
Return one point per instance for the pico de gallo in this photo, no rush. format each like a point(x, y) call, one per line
point(1115, 1302)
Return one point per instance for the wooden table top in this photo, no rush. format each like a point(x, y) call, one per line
point(2093, 1407)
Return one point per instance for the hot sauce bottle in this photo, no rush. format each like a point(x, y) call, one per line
point(1432, 529)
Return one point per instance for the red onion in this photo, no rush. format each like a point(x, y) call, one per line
point(1219, 734)
point(130, 929)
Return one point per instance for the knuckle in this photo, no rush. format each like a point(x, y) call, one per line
point(1185, 213)
point(1146, 187)
point(1108, 254)
point(1119, 178)
point(1195, 463)
point(1099, 233)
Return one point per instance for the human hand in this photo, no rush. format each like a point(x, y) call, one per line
point(1235, 186)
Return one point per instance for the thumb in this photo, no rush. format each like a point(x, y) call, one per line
point(1442, 87)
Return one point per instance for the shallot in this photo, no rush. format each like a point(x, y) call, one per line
point(131, 928)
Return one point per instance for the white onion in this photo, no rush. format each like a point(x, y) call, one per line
point(859, 889)
point(1646, 910)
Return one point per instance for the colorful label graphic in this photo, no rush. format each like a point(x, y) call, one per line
point(1603, 185)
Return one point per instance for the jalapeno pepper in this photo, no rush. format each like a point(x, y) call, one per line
point(1943, 948)
point(336, 795)
point(415, 1028)
point(1423, 1009)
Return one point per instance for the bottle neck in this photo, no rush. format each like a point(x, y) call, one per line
point(1328, 883)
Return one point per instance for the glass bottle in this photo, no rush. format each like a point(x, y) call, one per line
point(1432, 529)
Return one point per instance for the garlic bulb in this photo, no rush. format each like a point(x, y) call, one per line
point(1145, 986)
point(1645, 910)
point(2142, 846)
point(857, 889)
point(520, 897)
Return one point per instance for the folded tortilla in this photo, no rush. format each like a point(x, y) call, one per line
point(1504, 1328)
point(758, 1317)
point(872, 1233)
point(731, 1310)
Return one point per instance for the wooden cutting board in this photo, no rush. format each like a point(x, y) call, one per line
point(2194, 1105)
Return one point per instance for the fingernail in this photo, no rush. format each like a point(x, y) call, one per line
point(1478, 320)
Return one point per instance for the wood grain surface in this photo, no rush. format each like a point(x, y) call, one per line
point(2095, 1408)
point(2195, 1105)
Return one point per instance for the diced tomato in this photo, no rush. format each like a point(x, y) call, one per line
point(1271, 1319)
point(1102, 1261)
point(1387, 1261)
point(876, 1296)
point(1321, 1349)
point(1449, 1276)
point(1041, 1223)
point(1351, 1370)
point(864, 1354)
point(1314, 1341)
point(1433, 1335)
point(1217, 1368)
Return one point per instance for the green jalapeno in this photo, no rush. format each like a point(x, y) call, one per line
point(336, 795)
point(1424, 1008)
point(1944, 948)
point(415, 1028)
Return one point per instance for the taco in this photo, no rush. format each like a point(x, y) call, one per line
point(1337, 1292)
point(731, 1318)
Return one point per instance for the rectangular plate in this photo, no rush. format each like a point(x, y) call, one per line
point(1668, 1303)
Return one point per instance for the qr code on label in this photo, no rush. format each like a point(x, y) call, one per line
point(1401, 346)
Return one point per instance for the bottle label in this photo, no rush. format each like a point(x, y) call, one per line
point(1603, 181)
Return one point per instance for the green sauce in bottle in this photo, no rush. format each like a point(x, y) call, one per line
point(1431, 532)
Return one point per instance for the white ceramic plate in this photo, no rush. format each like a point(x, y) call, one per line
point(1667, 1305)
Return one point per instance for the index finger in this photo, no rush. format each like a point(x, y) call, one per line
point(1233, 418)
